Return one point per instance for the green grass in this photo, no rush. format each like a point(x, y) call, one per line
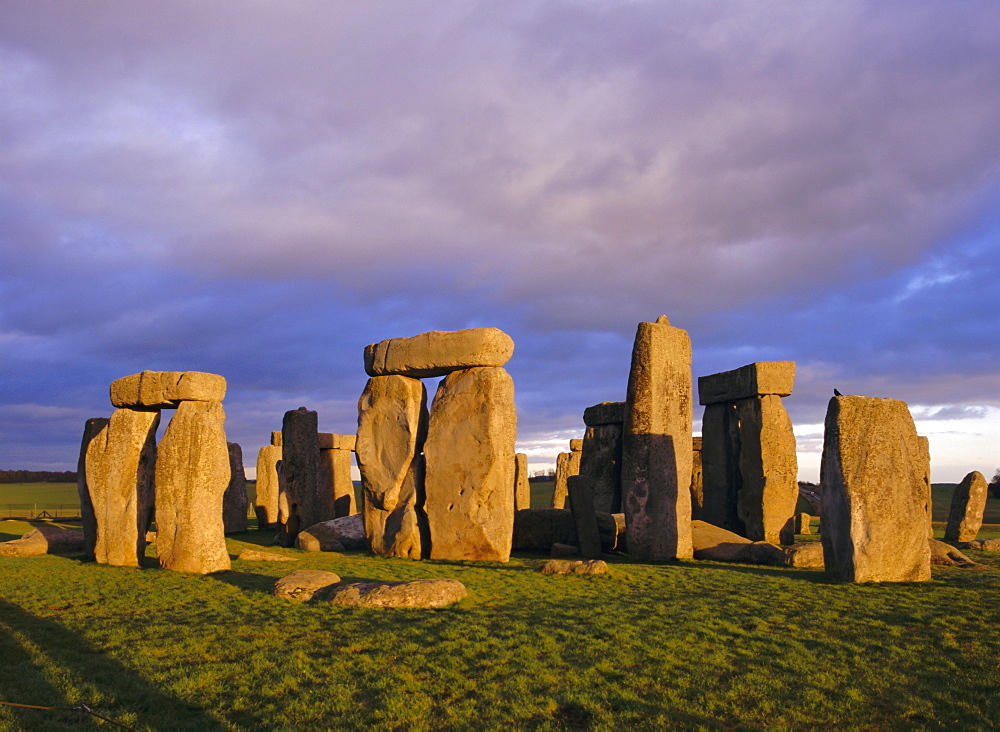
point(684, 645)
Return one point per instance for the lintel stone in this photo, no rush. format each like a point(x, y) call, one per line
point(166, 389)
point(604, 413)
point(755, 379)
point(438, 352)
point(330, 441)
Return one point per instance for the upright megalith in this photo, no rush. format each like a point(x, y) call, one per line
point(522, 488)
point(967, 505)
point(601, 456)
point(335, 458)
point(300, 502)
point(392, 426)
point(470, 465)
point(265, 502)
point(91, 429)
point(120, 464)
point(656, 444)
point(925, 453)
point(438, 352)
point(873, 496)
point(234, 500)
point(581, 500)
point(697, 482)
point(749, 465)
point(192, 474)
point(567, 465)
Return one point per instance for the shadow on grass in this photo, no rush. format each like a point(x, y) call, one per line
point(25, 680)
point(814, 576)
point(251, 582)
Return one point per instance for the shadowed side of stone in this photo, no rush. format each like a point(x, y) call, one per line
point(336, 535)
point(423, 593)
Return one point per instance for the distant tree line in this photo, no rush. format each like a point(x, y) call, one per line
point(995, 484)
point(37, 476)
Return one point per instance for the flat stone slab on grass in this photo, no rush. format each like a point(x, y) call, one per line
point(335, 535)
point(567, 566)
point(44, 540)
point(302, 584)
point(423, 593)
point(718, 544)
point(946, 555)
point(255, 555)
point(805, 554)
point(983, 545)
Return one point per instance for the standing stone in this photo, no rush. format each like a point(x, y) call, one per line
point(925, 451)
point(656, 446)
point(303, 504)
point(697, 483)
point(803, 523)
point(720, 464)
point(192, 473)
point(120, 464)
point(601, 458)
point(87, 518)
point(522, 488)
point(567, 464)
point(335, 479)
point(234, 500)
point(392, 425)
point(967, 505)
point(470, 466)
point(874, 513)
point(581, 499)
point(265, 502)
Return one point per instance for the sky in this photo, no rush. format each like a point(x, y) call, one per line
point(260, 189)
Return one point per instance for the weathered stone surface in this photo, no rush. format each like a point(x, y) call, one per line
point(265, 502)
point(605, 413)
point(697, 482)
point(336, 535)
point(967, 505)
point(983, 545)
point(335, 482)
point(803, 523)
point(234, 500)
point(947, 555)
point(166, 389)
point(422, 593)
point(564, 550)
point(89, 522)
point(439, 352)
point(522, 488)
point(720, 464)
point(717, 544)
point(768, 470)
point(601, 460)
point(756, 379)
point(656, 445)
point(120, 468)
point(302, 584)
point(330, 441)
point(255, 555)
point(276, 438)
point(805, 554)
point(303, 502)
point(392, 426)
point(925, 451)
point(192, 473)
point(44, 540)
point(537, 529)
point(470, 466)
point(576, 445)
point(566, 566)
point(567, 465)
point(581, 500)
point(874, 502)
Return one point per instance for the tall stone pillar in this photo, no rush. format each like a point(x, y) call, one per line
point(392, 426)
point(265, 502)
point(872, 475)
point(656, 445)
point(120, 462)
point(303, 502)
point(335, 473)
point(192, 473)
point(601, 457)
point(234, 500)
point(925, 452)
point(697, 484)
point(967, 505)
point(470, 465)
point(567, 465)
point(522, 488)
point(89, 522)
point(749, 465)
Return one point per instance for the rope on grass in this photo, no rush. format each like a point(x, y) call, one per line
point(83, 708)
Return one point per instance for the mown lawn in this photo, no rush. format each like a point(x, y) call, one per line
point(684, 645)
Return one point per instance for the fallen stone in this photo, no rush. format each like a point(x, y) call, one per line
point(192, 472)
point(717, 544)
point(983, 545)
point(806, 554)
point(967, 505)
point(166, 389)
point(874, 502)
point(439, 352)
point(423, 593)
point(564, 550)
point(756, 379)
point(255, 555)
point(302, 584)
point(44, 540)
point(336, 535)
point(234, 500)
point(566, 566)
point(947, 555)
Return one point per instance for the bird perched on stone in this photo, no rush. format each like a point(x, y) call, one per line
point(837, 393)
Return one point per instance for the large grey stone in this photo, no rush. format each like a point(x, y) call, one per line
point(605, 413)
point(192, 473)
point(720, 466)
point(335, 535)
point(715, 543)
point(234, 500)
point(304, 503)
point(44, 540)
point(656, 446)
point(756, 379)
point(302, 584)
point(967, 505)
point(439, 352)
point(91, 429)
point(392, 426)
point(166, 389)
point(422, 593)
point(601, 460)
point(120, 470)
point(581, 500)
point(470, 465)
point(874, 499)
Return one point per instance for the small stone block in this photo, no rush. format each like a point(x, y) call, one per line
point(276, 438)
point(329, 441)
point(755, 379)
point(604, 413)
point(576, 445)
